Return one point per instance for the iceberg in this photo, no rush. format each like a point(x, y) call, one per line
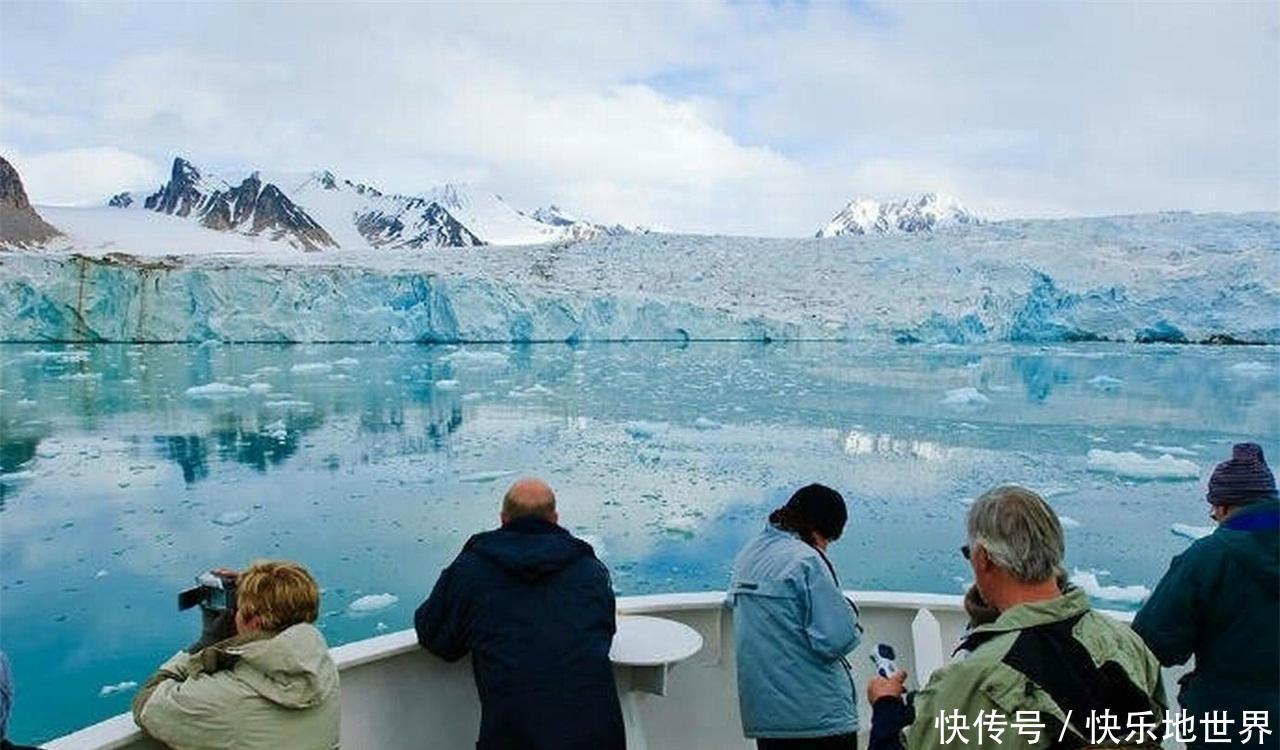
point(1088, 581)
point(372, 603)
point(1136, 466)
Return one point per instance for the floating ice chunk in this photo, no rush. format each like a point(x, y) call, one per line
point(641, 430)
point(472, 396)
point(232, 518)
point(1068, 522)
point(1250, 369)
point(101, 574)
point(81, 376)
point(287, 404)
point(372, 603)
point(119, 687)
point(311, 368)
point(477, 359)
point(277, 431)
point(1188, 531)
point(970, 397)
point(484, 476)
point(1106, 383)
point(1088, 581)
point(259, 388)
point(1172, 449)
point(381, 627)
point(702, 423)
point(683, 525)
point(1136, 466)
point(268, 370)
point(539, 389)
point(446, 385)
point(216, 390)
point(346, 362)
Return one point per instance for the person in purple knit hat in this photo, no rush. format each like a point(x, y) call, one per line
point(1220, 601)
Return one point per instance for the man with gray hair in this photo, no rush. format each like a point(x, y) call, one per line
point(1048, 671)
point(535, 609)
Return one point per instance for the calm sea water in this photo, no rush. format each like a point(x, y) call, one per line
point(126, 470)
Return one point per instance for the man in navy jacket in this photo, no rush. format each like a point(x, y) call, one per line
point(535, 609)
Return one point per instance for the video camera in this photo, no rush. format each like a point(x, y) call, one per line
point(213, 592)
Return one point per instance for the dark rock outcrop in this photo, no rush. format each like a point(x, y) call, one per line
point(431, 225)
point(20, 225)
point(250, 207)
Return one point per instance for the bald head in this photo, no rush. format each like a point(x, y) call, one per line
point(529, 497)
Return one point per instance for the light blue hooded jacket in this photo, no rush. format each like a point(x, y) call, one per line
point(793, 629)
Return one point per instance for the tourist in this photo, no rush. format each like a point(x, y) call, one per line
point(6, 702)
point(1047, 670)
point(794, 628)
point(535, 609)
point(263, 683)
point(1220, 602)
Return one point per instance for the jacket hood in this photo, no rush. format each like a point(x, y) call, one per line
point(292, 669)
point(1251, 534)
point(530, 549)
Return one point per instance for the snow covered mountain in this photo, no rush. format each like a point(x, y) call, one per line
point(20, 225)
point(318, 210)
point(927, 213)
point(247, 206)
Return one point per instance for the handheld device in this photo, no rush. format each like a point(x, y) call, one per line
point(883, 658)
point(212, 592)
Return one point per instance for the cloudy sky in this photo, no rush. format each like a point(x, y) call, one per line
point(734, 117)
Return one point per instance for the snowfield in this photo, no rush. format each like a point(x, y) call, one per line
point(1153, 278)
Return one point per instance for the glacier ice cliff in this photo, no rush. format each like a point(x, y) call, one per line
point(1159, 278)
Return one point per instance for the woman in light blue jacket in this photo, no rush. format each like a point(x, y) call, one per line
point(794, 627)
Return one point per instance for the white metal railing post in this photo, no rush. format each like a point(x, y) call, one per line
point(926, 639)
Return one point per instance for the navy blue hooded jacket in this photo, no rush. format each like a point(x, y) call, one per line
point(535, 609)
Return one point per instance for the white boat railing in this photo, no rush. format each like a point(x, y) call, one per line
point(396, 696)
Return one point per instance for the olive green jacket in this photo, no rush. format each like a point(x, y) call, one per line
point(262, 691)
point(1017, 659)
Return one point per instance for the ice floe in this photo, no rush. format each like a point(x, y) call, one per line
point(311, 368)
point(1189, 531)
point(1136, 466)
point(1088, 581)
point(372, 603)
point(216, 390)
point(231, 518)
point(641, 430)
point(119, 687)
point(481, 477)
point(1250, 369)
point(446, 385)
point(1106, 383)
point(970, 397)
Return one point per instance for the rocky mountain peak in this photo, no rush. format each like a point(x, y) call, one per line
point(20, 225)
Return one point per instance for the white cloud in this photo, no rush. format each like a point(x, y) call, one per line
point(762, 118)
point(80, 176)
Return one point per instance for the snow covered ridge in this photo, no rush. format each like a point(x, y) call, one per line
point(318, 211)
point(927, 213)
point(1155, 278)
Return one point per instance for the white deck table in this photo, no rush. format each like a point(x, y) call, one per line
point(644, 649)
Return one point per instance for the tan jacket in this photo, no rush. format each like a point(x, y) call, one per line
point(262, 691)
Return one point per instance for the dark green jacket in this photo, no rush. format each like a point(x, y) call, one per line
point(1220, 601)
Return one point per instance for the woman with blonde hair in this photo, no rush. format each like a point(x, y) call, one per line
point(259, 678)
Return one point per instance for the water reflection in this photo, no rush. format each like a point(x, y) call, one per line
point(126, 469)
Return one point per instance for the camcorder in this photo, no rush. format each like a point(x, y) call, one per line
point(213, 592)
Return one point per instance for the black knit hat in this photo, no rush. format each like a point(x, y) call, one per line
point(1242, 479)
point(822, 507)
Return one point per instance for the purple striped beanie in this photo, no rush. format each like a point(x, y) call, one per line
point(1244, 478)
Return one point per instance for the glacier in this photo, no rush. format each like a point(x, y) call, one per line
point(1159, 278)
